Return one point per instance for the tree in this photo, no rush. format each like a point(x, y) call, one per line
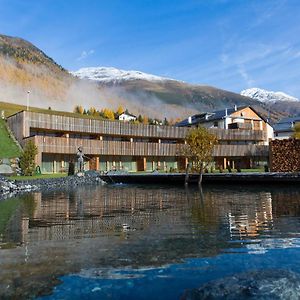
point(108, 114)
point(120, 110)
point(92, 111)
point(140, 119)
point(200, 144)
point(145, 120)
point(296, 133)
point(79, 109)
point(165, 122)
point(27, 162)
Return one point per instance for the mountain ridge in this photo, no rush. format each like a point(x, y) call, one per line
point(24, 67)
point(266, 96)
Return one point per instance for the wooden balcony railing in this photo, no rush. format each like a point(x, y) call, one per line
point(96, 147)
point(104, 127)
point(66, 124)
point(239, 134)
point(241, 151)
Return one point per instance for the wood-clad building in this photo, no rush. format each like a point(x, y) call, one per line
point(123, 145)
point(246, 135)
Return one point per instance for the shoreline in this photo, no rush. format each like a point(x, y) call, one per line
point(179, 178)
point(9, 188)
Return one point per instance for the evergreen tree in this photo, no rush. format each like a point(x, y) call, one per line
point(165, 122)
point(27, 162)
point(140, 119)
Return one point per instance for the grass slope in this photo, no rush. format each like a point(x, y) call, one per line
point(10, 109)
point(8, 147)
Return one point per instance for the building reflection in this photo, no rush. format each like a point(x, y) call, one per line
point(102, 211)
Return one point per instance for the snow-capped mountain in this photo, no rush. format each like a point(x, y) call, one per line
point(109, 74)
point(267, 96)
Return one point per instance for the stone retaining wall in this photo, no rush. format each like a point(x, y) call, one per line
point(285, 155)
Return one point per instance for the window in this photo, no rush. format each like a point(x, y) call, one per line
point(216, 124)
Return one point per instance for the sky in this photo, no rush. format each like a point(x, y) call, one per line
point(229, 44)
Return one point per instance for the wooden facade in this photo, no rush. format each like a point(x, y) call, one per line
point(108, 142)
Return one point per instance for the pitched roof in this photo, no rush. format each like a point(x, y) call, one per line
point(212, 116)
point(127, 113)
point(286, 124)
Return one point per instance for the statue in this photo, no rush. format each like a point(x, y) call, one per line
point(80, 156)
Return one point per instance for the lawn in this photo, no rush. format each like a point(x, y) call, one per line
point(8, 147)
point(40, 176)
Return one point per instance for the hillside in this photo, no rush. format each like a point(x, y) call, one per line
point(24, 67)
point(8, 147)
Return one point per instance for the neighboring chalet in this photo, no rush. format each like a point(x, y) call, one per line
point(284, 129)
point(126, 116)
point(247, 135)
point(243, 138)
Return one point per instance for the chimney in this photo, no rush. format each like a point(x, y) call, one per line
point(225, 112)
point(235, 107)
point(190, 120)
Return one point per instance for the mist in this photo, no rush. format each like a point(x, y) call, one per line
point(52, 87)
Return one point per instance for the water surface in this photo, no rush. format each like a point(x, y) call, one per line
point(145, 242)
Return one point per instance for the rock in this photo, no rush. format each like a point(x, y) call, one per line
point(261, 284)
point(6, 169)
point(10, 186)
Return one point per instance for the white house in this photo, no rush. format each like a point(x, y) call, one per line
point(284, 129)
point(126, 116)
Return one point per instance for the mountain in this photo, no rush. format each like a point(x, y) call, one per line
point(275, 101)
point(157, 91)
point(109, 74)
point(267, 96)
point(24, 67)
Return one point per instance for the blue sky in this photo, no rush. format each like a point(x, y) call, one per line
point(230, 44)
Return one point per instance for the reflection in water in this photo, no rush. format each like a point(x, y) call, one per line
point(57, 233)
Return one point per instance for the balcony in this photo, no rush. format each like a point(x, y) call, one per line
point(64, 145)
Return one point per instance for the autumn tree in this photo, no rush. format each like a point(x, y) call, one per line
point(108, 114)
point(78, 109)
point(296, 133)
point(92, 111)
point(200, 144)
point(145, 120)
point(27, 162)
point(120, 110)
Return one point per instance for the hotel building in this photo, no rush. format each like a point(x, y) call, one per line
point(136, 147)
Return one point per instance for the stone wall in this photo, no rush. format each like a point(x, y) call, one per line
point(285, 155)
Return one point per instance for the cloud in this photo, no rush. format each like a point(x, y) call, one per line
point(85, 54)
point(297, 54)
point(243, 72)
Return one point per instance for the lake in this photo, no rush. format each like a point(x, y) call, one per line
point(152, 242)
